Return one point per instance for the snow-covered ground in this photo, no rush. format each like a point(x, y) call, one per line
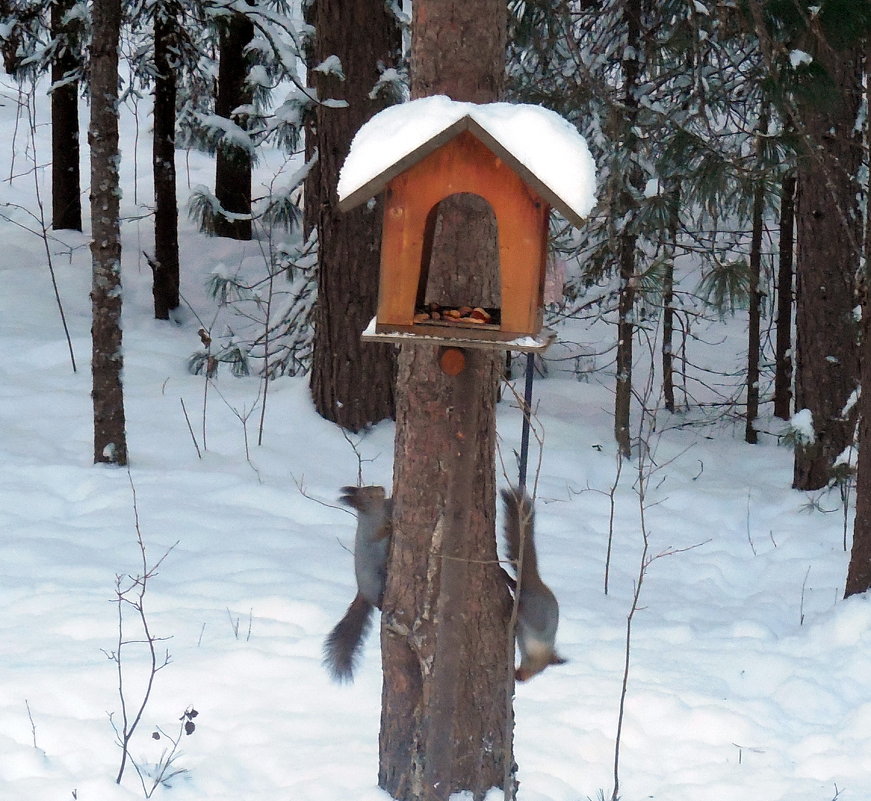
point(749, 676)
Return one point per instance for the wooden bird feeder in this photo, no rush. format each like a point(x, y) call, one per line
point(462, 158)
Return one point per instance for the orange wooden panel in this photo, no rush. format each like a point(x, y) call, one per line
point(464, 165)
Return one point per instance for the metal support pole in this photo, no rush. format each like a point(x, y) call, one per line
point(527, 416)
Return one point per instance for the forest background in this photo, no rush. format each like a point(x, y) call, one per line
point(700, 119)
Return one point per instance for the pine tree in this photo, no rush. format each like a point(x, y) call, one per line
point(167, 47)
point(107, 362)
point(66, 69)
point(785, 299)
point(828, 236)
point(233, 102)
point(352, 382)
point(259, 46)
point(670, 119)
point(813, 59)
point(39, 36)
point(859, 569)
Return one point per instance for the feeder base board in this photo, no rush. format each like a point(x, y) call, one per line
point(432, 335)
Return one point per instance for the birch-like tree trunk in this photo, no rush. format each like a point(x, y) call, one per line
point(107, 362)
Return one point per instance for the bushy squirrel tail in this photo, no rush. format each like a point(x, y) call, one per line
point(520, 536)
point(342, 645)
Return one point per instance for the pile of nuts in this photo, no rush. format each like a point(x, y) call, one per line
point(433, 312)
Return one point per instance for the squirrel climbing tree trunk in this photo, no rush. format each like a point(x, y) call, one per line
point(447, 723)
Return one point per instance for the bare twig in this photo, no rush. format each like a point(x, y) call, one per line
point(130, 592)
point(355, 446)
point(242, 417)
point(164, 770)
point(531, 416)
point(747, 525)
point(43, 232)
point(300, 485)
point(611, 510)
point(32, 724)
point(801, 605)
point(190, 428)
point(645, 467)
point(235, 624)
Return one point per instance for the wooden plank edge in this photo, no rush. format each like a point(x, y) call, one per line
point(523, 344)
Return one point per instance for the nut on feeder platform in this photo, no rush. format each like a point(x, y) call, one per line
point(466, 148)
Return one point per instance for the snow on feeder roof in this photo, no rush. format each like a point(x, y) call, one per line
point(545, 150)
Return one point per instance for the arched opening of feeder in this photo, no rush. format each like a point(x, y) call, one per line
point(459, 283)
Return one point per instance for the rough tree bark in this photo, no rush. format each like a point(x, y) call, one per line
point(668, 302)
point(783, 346)
point(352, 381)
point(233, 164)
point(66, 201)
point(754, 346)
point(165, 265)
point(625, 335)
point(631, 66)
point(107, 361)
point(311, 192)
point(447, 723)
point(828, 237)
point(859, 569)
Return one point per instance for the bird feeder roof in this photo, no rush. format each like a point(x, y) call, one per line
point(545, 150)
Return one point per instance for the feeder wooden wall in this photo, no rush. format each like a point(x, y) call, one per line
point(463, 164)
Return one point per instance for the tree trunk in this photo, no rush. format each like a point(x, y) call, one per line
point(783, 355)
point(233, 164)
point(110, 441)
point(166, 268)
point(827, 258)
point(755, 292)
point(311, 191)
point(66, 201)
point(627, 240)
point(352, 382)
point(447, 722)
point(859, 570)
point(668, 303)
point(625, 334)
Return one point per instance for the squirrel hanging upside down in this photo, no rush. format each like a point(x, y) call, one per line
point(537, 607)
point(374, 510)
